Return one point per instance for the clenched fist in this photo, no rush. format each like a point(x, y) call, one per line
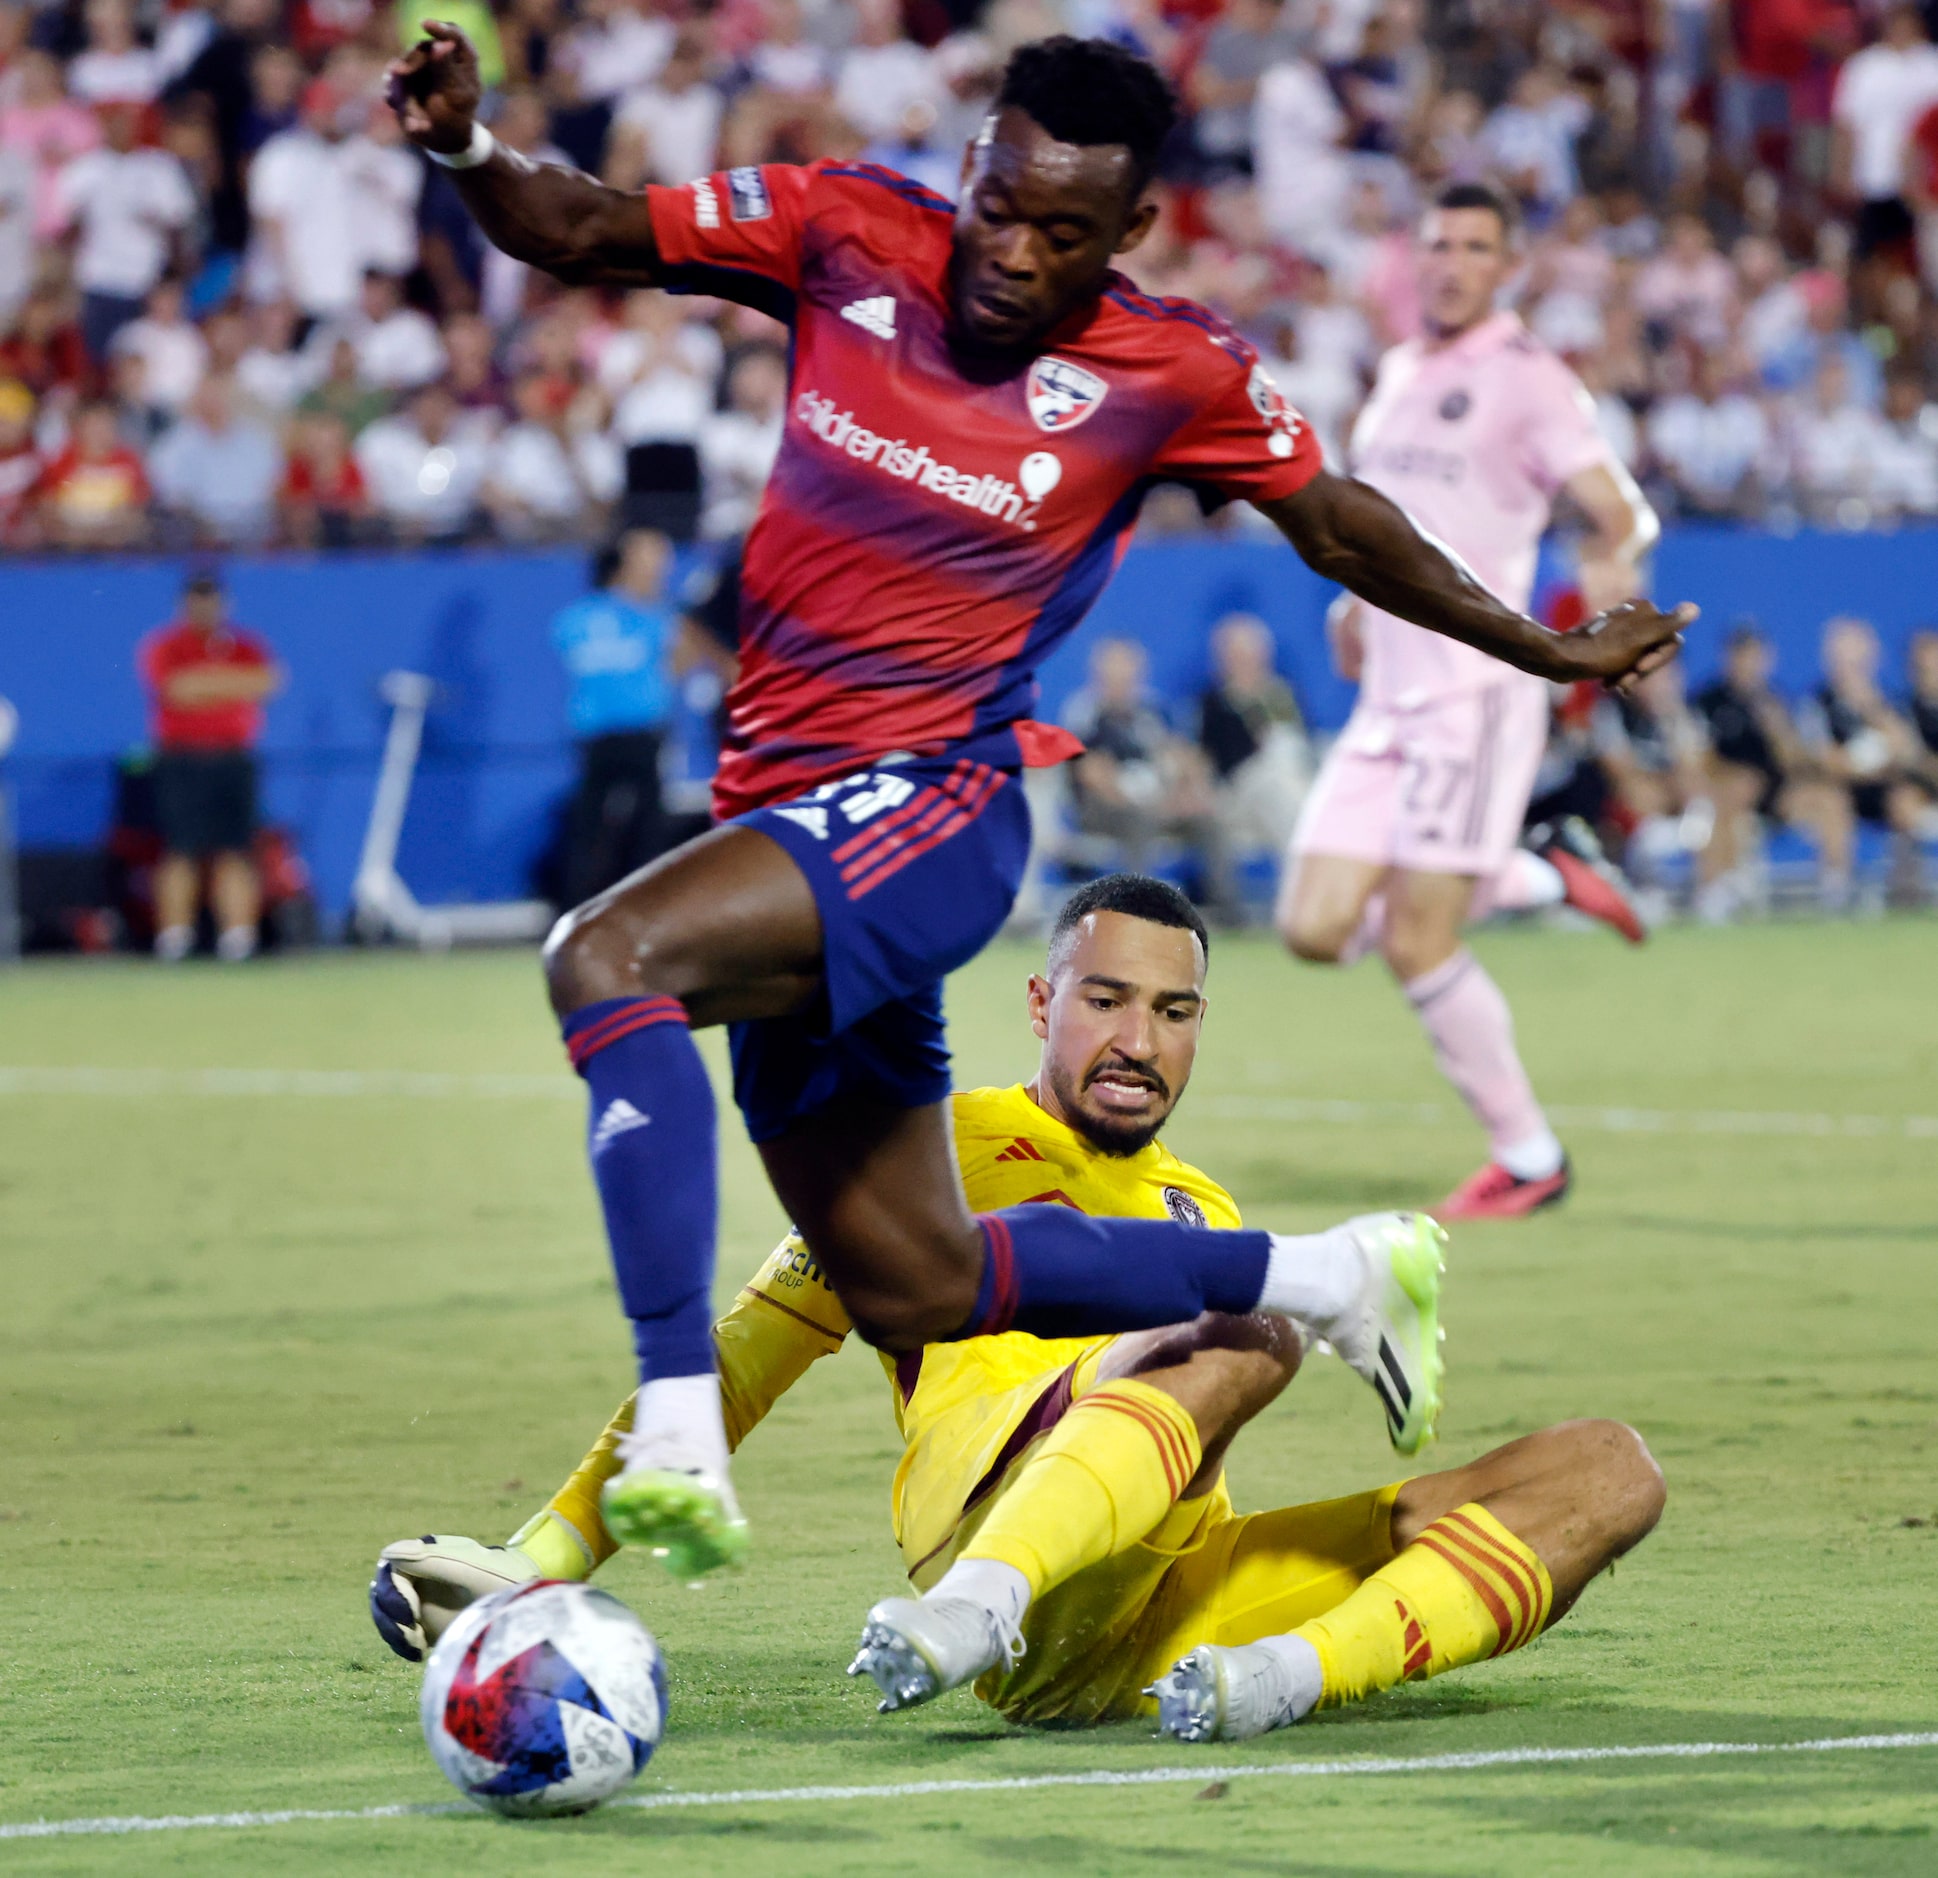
point(435, 89)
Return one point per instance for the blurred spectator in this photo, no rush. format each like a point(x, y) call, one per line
point(115, 68)
point(1250, 38)
point(95, 492)
point(20, 463)
point(1836, 447)
point(271, 372)
point(17, 258)
point(207, 682)
point(1922, 707)
point(44, 350)
point(1759, 769)
point(170, 346)
point(398, 347)
point(425, 467)
point(1712, 441)
point(1652, 748)
point(471, 364)
point(615, 646)
point(883, 75)
point(1858, 740)
point(1296, 124)
point(132, 208)
point(1687, 291)
point(1531, 142)
point(1882, 91)
point(48, 128)
point(669, 130)
point(1138, 782)
point(1251, 731)
point(547, 473)
point(342, 392)
point(659, 370)
point(615, 47)
point(738, 445)
point(323, 501)
point(1904, 479)
point(217, 472)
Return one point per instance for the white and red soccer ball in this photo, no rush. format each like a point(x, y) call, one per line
point(545, 1698)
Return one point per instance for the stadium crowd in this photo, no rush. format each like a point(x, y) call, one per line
point(238, 310)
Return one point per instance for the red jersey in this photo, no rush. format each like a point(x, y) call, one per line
point(935, 523)
point(233, 725)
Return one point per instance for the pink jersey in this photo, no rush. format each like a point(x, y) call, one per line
point(1472, 439)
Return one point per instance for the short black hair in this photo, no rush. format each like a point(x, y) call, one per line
point(1136, 896)
point(1480, 196)
point(1091, 91)
point(1743, 632)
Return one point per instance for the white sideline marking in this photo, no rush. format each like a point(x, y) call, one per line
point(440, 1085)
point(920, 1789)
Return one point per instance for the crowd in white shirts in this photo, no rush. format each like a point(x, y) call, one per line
point(236, 308)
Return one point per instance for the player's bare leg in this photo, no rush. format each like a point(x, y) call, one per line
point(1322, 915)
point(1151, 1433)
point(1486, 1557)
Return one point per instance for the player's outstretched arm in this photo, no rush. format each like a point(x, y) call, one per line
point(558, 219)
point(1350, 533)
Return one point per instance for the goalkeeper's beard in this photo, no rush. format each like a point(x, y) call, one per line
point(1119, 1136)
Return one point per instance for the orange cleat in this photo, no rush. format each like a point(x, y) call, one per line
point(1494, 1193)
point(1591, 883)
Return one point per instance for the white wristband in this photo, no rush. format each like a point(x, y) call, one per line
point(477, 151)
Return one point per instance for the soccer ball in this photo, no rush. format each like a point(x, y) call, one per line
point(545, 1698)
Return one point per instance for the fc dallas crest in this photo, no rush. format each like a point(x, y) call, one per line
point(1062, 395)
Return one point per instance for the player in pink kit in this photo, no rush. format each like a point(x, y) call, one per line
point(1414, 824)
point(977, 404)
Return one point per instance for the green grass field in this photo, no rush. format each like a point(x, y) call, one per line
point(251, 1331)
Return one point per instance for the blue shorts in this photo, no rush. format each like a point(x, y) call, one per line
point(914, 867)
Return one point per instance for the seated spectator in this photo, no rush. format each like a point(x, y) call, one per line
point(472, 371)
point(738, 445)
point(1688, 291)
point(272, 373)
point(659, 371)
point(1759, 769)
point(18, 262)
point(425, 467)
point(342, 392)
point(550, 477)
point(323, 502)
point(1253, 734)
point(668, 131)
point(1904, 473)
point(1138, 782)
point(616, 47)
point(95, 493)
point(1712, 442)
point(45, 351)
point(1921, 772)
point(398, 348)
point(1531, 141)
point(217, 471)
point(1651, 748)
point(131, 208)
point(1857, 739)
point(170, 346)
point(1835, 447)
point(20, 464)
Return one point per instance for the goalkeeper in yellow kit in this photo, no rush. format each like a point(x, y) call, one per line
point(1061, 1505)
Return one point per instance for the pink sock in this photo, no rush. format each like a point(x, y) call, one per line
point(1525, 880)
point(1473, 1042)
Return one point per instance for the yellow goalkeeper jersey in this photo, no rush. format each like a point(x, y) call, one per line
point(965, 1410)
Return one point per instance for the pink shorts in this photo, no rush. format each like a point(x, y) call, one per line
point(1440, 790)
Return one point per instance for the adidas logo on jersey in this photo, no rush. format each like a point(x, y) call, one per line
point(1020, 1150)
point(876, 315)
point(619, 1118)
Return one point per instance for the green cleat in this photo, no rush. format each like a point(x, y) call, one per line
point(1393, 1339)
point(690, 1520)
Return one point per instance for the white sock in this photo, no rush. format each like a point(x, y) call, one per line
point(1301, 1664)
point(236, 943)
point(1538, 1157)
point(999, 1589)
point(677, 1424)
point(1314, 1278)
point(174, 942)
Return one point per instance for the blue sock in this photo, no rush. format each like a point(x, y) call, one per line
point(651, 1140)
point(1056, 1272)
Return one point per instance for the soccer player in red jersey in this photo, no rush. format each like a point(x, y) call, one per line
point(977, 404)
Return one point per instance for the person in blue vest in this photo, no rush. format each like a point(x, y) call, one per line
point(615, 645)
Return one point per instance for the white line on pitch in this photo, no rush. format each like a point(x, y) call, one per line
point(1020, 1783)
point(441, 1085)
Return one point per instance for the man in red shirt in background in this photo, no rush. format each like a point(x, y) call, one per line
point(207, 683)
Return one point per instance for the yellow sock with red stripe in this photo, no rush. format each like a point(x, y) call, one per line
point(1465, 1589)
point(568, 1538)
point(1104, 1476)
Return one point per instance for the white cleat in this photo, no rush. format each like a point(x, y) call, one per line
point(1392, 1337)
point(916, 1649)
point(1228, 1693)
point(422, 1584)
